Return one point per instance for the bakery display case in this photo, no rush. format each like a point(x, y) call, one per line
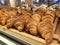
point(33, 22)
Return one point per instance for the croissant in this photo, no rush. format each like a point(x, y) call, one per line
point(19, 23)
point(32, 25)
point(3, 17)
point(45, 28)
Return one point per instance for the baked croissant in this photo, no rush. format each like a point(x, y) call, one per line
point(19, 23)
point(45, 28)
point(32, 25)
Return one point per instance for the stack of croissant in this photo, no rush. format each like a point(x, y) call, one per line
point(13, 17)
point(41, 22)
